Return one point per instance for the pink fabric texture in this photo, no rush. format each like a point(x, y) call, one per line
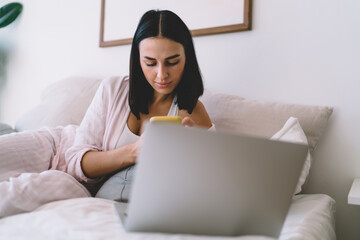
point(101, 126)
point(25, 179)
point(31, 190)
point(34, 164)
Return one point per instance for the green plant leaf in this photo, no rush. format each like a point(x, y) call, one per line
point(9, 12)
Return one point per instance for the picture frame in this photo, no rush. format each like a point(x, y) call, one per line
point(118, 25)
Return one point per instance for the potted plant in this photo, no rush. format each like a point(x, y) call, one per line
point(8, 14)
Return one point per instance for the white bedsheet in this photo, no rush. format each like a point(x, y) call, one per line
point(310, 217)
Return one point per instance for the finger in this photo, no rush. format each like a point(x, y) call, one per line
point(187, 121)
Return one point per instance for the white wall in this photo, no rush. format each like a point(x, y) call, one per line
point(298, 52)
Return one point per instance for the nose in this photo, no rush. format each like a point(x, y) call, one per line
point(162, 72)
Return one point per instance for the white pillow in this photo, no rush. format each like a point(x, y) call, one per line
point(292, 132)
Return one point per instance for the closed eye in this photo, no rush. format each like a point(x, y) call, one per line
point(173, 63)
point(150, 64)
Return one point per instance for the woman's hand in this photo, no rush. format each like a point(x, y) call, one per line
point(96, 164)
point(187, 122)
point(199, 117)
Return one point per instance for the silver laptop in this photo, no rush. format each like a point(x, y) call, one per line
point(193, 181)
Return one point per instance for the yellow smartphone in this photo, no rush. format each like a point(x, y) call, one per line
point(169, 119)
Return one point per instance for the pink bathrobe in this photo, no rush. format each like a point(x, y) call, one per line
point(33, 164)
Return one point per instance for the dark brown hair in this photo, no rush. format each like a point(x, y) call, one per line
point(166, 24)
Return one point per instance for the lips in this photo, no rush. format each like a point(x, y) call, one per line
point(162, 85)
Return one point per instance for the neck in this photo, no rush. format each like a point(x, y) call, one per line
point(160, 98)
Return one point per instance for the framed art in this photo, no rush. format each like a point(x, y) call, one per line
point(119, 18)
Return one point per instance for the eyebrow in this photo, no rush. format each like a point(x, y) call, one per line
point(168, 58)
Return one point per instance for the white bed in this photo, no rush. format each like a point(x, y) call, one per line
point(65, 102)
point(310, 217)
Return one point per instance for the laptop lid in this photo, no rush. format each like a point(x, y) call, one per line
point(193, 181)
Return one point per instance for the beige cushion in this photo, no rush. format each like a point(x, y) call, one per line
point(66, 101)
point(262, 118)
point(62, 103)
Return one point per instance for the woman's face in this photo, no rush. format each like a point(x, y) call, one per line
point(162, 61)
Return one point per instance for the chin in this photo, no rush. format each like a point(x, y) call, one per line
point(166, 91)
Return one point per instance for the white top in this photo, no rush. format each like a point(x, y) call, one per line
point(128, 137)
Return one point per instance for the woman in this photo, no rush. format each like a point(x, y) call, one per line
point(164, 80)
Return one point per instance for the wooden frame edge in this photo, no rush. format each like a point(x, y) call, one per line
point(195, 32)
